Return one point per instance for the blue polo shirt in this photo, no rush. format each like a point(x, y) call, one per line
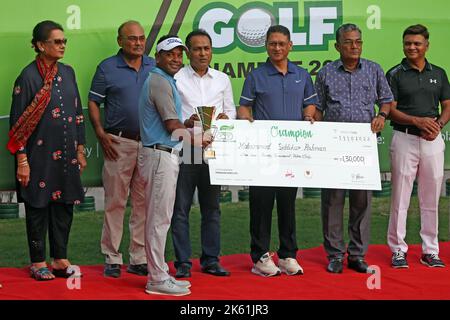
point(159, 101)
point(118, 86)
point(274, 96)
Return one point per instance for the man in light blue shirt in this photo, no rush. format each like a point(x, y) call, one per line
point(158, 163)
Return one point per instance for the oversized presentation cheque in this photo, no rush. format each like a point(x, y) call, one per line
point(295, 154)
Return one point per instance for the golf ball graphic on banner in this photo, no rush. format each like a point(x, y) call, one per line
point(253, 25)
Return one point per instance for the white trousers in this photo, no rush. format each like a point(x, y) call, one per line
point(159, 172)
point(411, 157)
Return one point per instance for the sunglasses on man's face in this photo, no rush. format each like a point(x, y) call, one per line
point(57, 42)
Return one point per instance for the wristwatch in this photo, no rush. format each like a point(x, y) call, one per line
point(383, 114)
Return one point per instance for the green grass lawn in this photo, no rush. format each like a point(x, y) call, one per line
point(84, 247)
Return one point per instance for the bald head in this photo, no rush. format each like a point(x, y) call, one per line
point(126, 25)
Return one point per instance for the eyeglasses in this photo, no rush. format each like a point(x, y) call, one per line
point(349, 43)
point(57, 42)
point(135, 38)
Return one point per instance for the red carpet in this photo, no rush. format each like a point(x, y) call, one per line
point(417, 282)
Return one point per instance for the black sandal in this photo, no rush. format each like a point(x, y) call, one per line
point(70, 271)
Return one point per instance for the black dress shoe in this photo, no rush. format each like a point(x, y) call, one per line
point(139, 269)
point(183, 271)
point(216, 270)
point(358, 265)
point(335, 265)
point(112, 270)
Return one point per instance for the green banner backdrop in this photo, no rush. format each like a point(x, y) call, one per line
point(237, 29)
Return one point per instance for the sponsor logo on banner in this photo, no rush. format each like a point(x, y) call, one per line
point(311, 25)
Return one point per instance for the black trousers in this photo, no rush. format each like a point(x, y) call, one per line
point(57, 218)
point(261, 206)
point(190, 177)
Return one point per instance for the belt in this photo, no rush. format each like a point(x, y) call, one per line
point(409, 130)
point(164, 148)
point(125, 134)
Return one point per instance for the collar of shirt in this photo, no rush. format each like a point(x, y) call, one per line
point(340, 64)
point(193, 73)
point(167, 76)
point(406, 66)
point(121, 63)
point(272, 70)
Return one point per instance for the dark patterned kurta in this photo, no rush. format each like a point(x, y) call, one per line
point(52, 148)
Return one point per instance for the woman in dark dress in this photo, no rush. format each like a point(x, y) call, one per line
point(47, 137)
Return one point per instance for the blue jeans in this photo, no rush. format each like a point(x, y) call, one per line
point(190, 177)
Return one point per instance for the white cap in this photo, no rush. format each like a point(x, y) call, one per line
point(170, 43)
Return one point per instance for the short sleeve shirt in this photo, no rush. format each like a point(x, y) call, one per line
point(118, 86)
point(276, 96)
point(159, 101)
point(418, 93)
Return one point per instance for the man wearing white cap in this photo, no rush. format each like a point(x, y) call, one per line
point(159, 117)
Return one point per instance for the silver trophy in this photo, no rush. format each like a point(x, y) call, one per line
point(206, 116)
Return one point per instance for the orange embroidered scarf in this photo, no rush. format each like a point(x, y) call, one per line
point(24, 127)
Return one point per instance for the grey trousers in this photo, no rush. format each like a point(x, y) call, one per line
point(333, 201)
point(159, 171)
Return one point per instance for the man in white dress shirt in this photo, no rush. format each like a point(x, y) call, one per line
point(199, 85)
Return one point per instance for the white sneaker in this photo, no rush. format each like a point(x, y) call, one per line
point(265, 266)
point(290, 266)
point(180, 283)
point(167, 287)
